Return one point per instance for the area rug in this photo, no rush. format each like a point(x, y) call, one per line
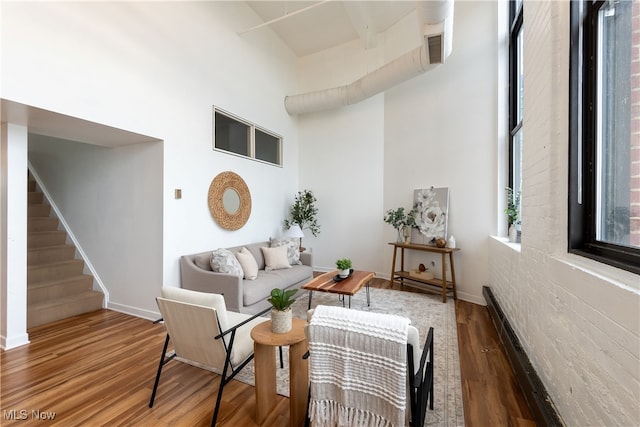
point(424, 310)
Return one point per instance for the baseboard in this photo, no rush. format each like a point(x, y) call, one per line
point(7, 343)
point(134, 311)
point(538, 400)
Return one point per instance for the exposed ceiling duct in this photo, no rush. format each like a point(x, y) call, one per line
point(435, 19)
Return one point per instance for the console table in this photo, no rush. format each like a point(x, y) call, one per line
point(399, 276)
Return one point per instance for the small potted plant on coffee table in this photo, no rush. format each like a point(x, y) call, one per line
point(281, 312)
point(344, 267)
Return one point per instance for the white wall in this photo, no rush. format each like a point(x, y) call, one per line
point(437, 129)
point(578, 320)
point(111, 199)
point(156, 68)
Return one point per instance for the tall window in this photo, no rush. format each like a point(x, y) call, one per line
point(235, 135)
point(516, 91)
point(604, 193)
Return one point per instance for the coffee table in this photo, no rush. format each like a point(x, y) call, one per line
point(345, 287)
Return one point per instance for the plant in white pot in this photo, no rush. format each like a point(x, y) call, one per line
point(401, 221)
point(344, 267)
point(281, 312)
point(303, 212)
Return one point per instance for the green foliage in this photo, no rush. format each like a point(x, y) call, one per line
point(281, 299)
point(303, 212)
point(513, 206)
point(343, 264)
point(398, 219)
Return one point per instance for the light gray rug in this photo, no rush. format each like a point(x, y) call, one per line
point(424, 310)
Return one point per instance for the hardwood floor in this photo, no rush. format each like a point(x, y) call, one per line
point(98, 369)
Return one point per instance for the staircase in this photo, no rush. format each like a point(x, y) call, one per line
point(56, 285)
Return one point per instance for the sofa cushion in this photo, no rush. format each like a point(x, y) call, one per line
point(267, 280)
point(223, 261)
point(275, 258)
point(293, 249)
point(248, 263)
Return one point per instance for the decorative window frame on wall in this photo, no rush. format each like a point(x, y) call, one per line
point(240, 137)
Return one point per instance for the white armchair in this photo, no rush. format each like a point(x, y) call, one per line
point(205, 334)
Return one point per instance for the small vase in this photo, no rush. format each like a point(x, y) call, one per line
point(281, 321)
point(400, 238)
point(513, 234)
point(344, 273)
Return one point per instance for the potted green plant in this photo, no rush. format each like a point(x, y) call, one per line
point(303, 212)
point(400, 220)
point(513, 213)
point(344, 267)
point(281, 312)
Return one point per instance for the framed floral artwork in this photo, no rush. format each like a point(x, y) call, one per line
point(431, 206)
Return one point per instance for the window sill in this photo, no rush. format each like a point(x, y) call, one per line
point(505, 241)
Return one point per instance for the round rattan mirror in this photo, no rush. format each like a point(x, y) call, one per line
point(229, 200)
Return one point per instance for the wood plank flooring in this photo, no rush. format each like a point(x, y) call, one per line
point(98, 369)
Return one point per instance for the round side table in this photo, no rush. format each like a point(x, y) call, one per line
point(264, 343)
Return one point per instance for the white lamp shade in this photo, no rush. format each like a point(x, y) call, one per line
point(295, 231)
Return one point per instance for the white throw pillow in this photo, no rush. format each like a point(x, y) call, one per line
point(275, 258)
point(293, 248)
point(248, 263)
point(223, 261)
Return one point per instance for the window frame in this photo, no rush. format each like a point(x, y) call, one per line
point(252, 127)
point(515, 123)
point(583, 170)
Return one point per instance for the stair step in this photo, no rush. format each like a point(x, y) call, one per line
point(34, 197)
point(42, 224)
point(54, 271)
point(61, 308)
point(38, 210)
point(41, 239)
point(54, 289)
point(50, 254)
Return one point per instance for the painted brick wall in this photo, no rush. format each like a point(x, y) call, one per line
point(578, 320)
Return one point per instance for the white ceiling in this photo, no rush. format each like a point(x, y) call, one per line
point(328, 23)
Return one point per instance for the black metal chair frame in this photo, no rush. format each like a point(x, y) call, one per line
point(421, 382)
point(224, 379)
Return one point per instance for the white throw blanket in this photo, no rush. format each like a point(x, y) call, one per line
point(358, 368)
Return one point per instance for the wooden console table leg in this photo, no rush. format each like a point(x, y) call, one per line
point(393, 266)
point(444, 278)
point(453, 276)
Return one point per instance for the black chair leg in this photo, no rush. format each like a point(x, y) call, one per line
point(160, 365)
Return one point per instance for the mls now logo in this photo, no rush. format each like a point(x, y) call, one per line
point(23, 414)
point(15, 414)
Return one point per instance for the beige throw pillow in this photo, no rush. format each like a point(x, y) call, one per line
point(275, 258)
point(293, 248)
point(248, 263)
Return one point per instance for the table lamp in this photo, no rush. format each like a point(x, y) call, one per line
point(296, 232)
